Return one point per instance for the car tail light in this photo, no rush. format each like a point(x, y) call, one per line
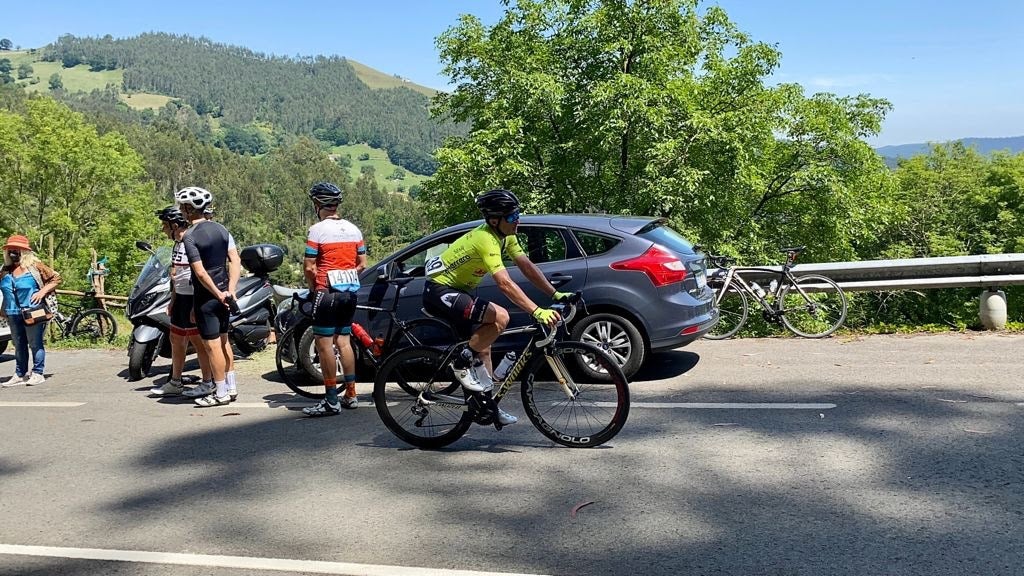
point(658, 263)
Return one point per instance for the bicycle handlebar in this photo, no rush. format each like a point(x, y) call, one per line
point(570, 304)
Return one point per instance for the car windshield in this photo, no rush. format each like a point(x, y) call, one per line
point(661, 233)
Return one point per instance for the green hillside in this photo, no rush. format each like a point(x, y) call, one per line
point(328, 97)
point(382, 166)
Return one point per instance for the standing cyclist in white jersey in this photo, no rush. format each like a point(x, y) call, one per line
point(335, 255)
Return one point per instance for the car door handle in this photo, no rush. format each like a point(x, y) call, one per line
point(559, 279)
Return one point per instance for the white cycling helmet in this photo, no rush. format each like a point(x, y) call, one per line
point(194, 196)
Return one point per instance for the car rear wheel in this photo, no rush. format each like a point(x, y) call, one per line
point(615, 335)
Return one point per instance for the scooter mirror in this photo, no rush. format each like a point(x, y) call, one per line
point(144, 246)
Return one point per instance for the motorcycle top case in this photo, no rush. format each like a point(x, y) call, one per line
point(262, 258)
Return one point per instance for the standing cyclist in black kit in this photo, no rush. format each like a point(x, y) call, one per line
point(215, 272)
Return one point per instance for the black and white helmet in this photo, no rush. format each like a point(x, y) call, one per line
point(325, 194)
point(194, 196)
point(497, 203)
point(172, 215)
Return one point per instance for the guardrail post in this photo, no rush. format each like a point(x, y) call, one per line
point(992, 309)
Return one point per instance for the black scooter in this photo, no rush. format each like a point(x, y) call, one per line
point(148, 299)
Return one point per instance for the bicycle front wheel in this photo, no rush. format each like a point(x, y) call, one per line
point(571, 412)
point(733, 310)
point(813, 306)
point(94, 325)
point(396, 396)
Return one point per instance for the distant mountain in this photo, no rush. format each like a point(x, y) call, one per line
point(1013, 145)
point(331, 98)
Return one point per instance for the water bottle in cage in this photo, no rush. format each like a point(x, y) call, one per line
point(504, 366)
point(364, 338)
point(757, 289)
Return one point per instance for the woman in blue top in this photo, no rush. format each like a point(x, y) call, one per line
point(24, 282)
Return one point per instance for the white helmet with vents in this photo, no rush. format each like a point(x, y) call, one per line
point(194, 196)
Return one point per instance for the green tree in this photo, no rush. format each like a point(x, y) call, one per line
point(397, 174)
point(6, 44)
point(649, 108)
point(63, 181)
point(55, 82)
point(5, 66)
point(24, 70)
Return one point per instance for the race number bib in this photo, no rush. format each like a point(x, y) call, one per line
point(434, 266)
point(342, 278)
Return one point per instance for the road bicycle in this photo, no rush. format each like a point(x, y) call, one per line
point(810, 305)
point(419, 399)
point(298, 362)
point(87, 323)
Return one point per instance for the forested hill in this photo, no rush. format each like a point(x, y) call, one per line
point(1013, 145)
point(320, 96)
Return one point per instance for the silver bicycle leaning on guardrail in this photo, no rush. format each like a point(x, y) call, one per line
point(811, 305)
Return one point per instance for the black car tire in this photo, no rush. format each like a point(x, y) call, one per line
point(615, 335)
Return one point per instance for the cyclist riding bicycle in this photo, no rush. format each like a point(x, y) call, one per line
point(335, 255)
point(456, 273)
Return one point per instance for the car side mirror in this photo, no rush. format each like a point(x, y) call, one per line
point(388, 271)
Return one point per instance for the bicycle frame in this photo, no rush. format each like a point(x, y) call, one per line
point(559, 370)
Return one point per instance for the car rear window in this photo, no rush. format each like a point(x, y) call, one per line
point(660, 233)
point(594, 244)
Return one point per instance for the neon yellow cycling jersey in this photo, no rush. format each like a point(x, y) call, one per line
point(474, 255)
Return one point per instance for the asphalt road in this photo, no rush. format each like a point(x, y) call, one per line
point(878, 455)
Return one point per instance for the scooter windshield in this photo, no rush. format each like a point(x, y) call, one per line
point(155, 271)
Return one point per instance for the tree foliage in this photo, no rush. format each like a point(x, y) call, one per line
point(651, 108)
point(66, 186)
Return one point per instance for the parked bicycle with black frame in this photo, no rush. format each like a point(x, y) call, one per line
point(419, 399)
point(810, 305)
point(88, 322)
point(298, 363)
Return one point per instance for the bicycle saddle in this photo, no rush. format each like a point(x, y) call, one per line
point(797, 249)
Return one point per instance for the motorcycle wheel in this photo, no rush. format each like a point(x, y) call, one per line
point(140, 358)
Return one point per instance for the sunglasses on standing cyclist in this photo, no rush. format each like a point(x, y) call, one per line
point(513, 217)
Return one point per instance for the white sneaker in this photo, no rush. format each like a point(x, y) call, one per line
point(170, 388)
point(350, 402)
point(204, 389)
point(212, 400)
point(14, 381)
point(506, 419)
point(483, 377)
point(467, 377)
point(322, 408)
point(35, 379)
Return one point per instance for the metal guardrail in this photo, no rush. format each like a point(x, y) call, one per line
point(986, 270)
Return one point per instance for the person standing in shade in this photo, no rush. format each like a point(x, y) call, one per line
point(215, 272)
point(183, 328)
point(25, 281)
point(335, 255)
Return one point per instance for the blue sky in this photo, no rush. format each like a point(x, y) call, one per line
point(952, 69)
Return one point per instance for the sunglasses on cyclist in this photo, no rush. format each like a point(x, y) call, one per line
point(513, 217)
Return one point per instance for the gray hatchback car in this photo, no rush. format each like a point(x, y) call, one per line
point(644, 285)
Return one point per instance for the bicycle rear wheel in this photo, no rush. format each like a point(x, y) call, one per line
point(396, 393)
point(594, 412)
point(94, 325)
point(813, 307)
point(293, 372)
point(733, 309)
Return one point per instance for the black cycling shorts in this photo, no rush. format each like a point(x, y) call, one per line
point(332, 312)
point(459, 308)
point(211, 317)
point(181, 315)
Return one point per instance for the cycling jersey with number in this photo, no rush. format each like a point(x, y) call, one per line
point(336, 244)
point(474, 255)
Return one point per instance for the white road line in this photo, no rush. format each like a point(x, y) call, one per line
point(41, 404)
point(726, 405)
point(245, 562)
